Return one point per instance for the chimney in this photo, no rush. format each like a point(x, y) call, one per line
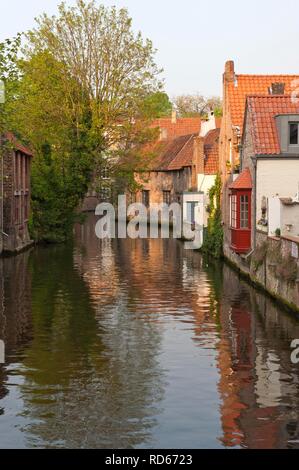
point(173, 116)
point(229, 74)
point(208, 125)
point(198, 161)
point(277, 88)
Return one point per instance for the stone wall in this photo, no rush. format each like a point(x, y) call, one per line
point(274, 265)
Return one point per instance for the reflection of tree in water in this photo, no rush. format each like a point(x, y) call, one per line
point(92, 378)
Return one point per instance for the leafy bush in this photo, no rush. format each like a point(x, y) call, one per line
point(213, 240)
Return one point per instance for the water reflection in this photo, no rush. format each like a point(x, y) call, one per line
point(140, 343)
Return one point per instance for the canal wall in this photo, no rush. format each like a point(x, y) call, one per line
point(273, 265)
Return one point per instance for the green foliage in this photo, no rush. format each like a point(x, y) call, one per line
point(57, 192)
point(213, 240)
point(85, 90)
point(157, 105)
point(9, 74)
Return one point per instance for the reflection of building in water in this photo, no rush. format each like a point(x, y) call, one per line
point(258, 383)
point(94, 260)
point(15, 309)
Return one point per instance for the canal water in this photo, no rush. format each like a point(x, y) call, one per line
point(141, 344)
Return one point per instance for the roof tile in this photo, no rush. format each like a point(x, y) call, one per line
point(245, 85)
point(262, 111)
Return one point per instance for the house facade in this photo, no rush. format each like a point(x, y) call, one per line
point(236, 88)
point(184, 165)
point(264, 198)
point(15, 195)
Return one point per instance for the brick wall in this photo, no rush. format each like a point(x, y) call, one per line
point(228, 146)
point(16, 200)
point(158, 181)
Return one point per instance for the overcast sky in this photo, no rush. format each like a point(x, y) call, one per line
point(194, 38)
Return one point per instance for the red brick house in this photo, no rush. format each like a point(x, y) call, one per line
point(236, 88)
point(264, 198)
point(183, 162)
point(15, 194)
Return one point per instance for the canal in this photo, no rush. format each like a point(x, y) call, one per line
point(141, 344)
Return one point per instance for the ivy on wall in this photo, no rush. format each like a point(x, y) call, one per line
point(213, 240)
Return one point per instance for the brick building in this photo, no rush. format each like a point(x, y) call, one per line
point(14, 194)
point(264, 198)
point(236, 88)
point(186, 160)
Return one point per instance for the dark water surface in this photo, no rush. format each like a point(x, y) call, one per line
point(133, 344)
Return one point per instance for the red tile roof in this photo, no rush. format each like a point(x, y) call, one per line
point(245, 85)
point(17, 145)
point(243, 181)
point(262, 111)
point(182, 126)
point(176, 155)
point(211, 150)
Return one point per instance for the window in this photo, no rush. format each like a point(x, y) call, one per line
point(105, 194)
point(293, 133)
point(166, 197)
point(132, 197)
point(191, 206)
point(146, 198)
point(240, 210)
point(105, 173)
point(244, 212)
point(233, 219)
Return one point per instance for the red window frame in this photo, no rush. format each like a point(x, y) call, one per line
point(240, 210)
point(233, 211)
point(240, 220)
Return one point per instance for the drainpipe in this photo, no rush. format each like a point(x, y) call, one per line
point(2, 188)
point(254, 202)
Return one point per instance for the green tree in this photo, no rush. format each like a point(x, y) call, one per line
point(9, 75)
point(89, 86)
point(157, 105)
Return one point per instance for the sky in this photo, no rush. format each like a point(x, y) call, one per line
point(194, 38)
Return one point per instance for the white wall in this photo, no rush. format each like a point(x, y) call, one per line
point(200, 209)
point(275, 178)
point(204, 184)
point(290, 220)
point(274, 215)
